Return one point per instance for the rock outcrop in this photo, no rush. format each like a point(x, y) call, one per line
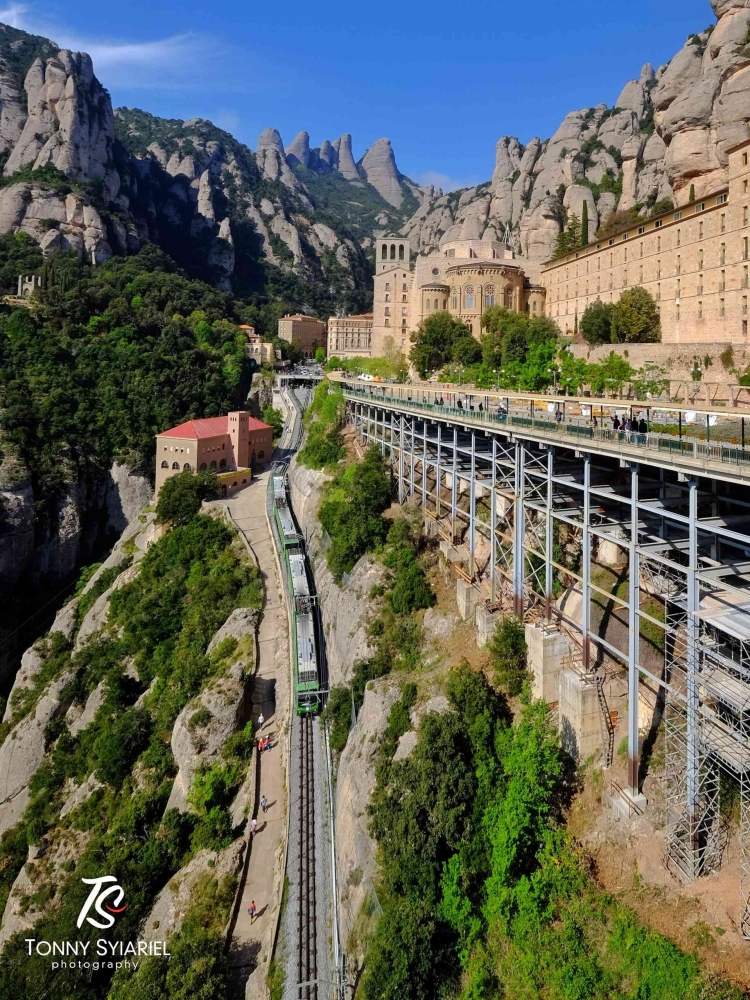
point(669, 129)
point(378, 167)
point(174, 900)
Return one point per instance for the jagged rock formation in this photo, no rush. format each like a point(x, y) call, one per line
point(669, 129)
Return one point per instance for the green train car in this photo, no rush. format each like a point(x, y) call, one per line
point(304, 652)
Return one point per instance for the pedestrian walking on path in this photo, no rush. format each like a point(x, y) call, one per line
point(251, 911)
point(263, 803)
point(261, 720)
point(253, 825)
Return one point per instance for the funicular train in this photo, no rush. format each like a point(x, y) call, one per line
point(307, 692)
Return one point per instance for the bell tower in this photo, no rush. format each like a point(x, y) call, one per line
point(392, 251)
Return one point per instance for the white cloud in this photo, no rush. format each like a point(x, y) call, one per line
point(444, 181)
point(14, 15)
point(176, 62)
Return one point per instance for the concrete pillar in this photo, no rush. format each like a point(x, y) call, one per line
point(467, 598)
point(546, 650)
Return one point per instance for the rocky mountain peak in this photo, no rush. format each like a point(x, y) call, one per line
point(346, 165)
point(722, 7)
point(378, 167)
point(299, 150)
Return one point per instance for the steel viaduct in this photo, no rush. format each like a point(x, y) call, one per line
point(503, 479)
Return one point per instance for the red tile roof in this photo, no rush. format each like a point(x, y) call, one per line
point(209, 427)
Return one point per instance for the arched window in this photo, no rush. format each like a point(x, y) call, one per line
point(469, 297)
point(401, 252)
point(175, 465)
point(393, 251)
point(213, 466)
point(203, 467)
point(454, 299)
point(261, 455)
point(508, 297)
point(223, 463)
point(427, 304)
point(384, 253)
point(165, 465)
point(489, 295)
point(187, 467)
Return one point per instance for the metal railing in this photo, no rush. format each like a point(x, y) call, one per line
point(722, 452)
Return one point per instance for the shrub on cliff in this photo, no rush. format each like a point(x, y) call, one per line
point(181, 496)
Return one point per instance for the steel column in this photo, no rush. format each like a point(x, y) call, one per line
point(438, 473)
point(424, 464)
point(633, 637)
point(693, 602)
point(519, 530)
point(454, 484)
point(549, 535)
point(586, 565)
point(472, 504)
point(493, 523)
point(401, 459)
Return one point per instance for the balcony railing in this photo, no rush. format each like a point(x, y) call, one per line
point(689, 448)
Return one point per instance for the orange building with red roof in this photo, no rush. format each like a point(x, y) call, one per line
point(231, 446)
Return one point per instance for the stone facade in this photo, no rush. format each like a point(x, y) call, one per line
point(464, 277)
point(306, 332)
point(350, 335)
point(693, 259)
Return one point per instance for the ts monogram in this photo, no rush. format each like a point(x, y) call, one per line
point(96, 899)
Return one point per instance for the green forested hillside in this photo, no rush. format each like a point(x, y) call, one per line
point(189, 582)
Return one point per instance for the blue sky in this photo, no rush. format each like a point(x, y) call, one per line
point(442, 87)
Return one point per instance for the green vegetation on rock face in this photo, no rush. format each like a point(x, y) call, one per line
point(324, 422)
point(93, 373)
point(484, 895)
point(188, 583)
point(181, 496)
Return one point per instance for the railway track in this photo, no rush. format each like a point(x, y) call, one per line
point(307, 964)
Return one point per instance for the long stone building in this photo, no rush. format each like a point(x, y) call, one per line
point(693, 259)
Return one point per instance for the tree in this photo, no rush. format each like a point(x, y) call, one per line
point(584, 223)
point(508, 655)
point(434, 341)
point(616, 222)
point(573, 373)
point(596, 323)
point(181, 496)
point(467, 351)
point(650, 380)
point(692, 193)
point(570, 238)
point(611, 375)
point(275, 418)
point(320, 355)
point(635, 318)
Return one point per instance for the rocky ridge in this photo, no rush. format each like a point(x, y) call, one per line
point(669, 129)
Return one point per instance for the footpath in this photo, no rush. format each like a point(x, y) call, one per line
point(263, 876)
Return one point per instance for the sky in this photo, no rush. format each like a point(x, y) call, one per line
point(443, 81)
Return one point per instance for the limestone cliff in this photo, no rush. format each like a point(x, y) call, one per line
point(669, 129)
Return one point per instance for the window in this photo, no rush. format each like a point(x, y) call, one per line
point(165, 464)
point(723, 254)
point(393, 251)
point(223, 463)
point(641, 249)
point(744, 305)
point(744, 322)
point(722, 308)
point(744, 159)
point(625, 278)
point(403, 287)
point(677, 313)
point(721, 199)
point(700, 310)
point(624, 236)
point(640, 275)
point(677, 216)
point(387, 286)
point(745, 248)
point(723, 281)
point(403, 298)
point(723, 223)
point(203, 467)
point(658, 244)
point(658, 293)
point(401, 252)
point(454, 299)
point(658, 224)
point(745, 215)
point(261, 455)
point(611, 259)
point(384, 253)
point(700, 230)
point(387, 297)
point(469, 297)
point(611, 242)
point(679, 237)
point(700, 284)
point(175, 465)
point(745, 278)
point(679, 289)
point(678, 265)
point(626, 255)
point(387, 322)
point(641, 231)
point(700, 260)
point(403, 310)
point(598, 263)
point(387, 311)
point(489, 295)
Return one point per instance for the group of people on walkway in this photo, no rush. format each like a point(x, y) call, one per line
point(630, 428)
point(264, 743)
